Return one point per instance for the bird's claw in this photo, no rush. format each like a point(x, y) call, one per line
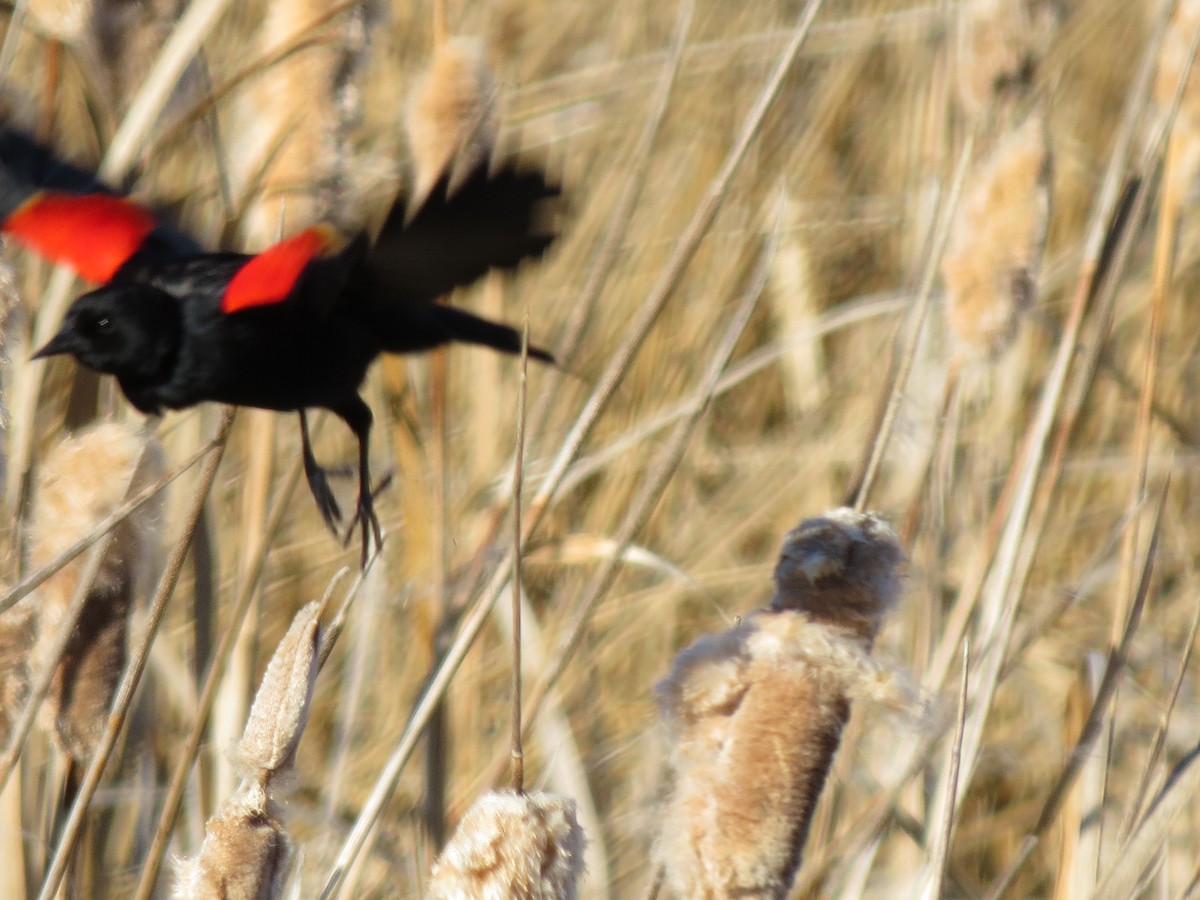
point(318, 483)
point(365, 518)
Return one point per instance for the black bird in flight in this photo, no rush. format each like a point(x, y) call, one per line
point(291, 328)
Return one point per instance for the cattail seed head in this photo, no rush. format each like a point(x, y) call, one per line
point(246, 854)
point(754, 714)
point(992, 263)
point(68, 21)
point(511, 845)
point(999, 45)
point(451, 116)
point(1172, 61)
point(842, 568)
point(280, 709)
point(82, 481)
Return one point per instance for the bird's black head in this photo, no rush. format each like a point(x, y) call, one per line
point(131, 330)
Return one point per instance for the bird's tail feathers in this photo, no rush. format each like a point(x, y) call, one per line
point(424, 327)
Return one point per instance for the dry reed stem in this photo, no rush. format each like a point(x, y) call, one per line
point(474, 618)
point(650, 490)
point(82, 480)
point(564, 770)
point(1099, 716)
point(1023, 537)
point(1155, 750)
point(1128, 866)
point(212, 680)
point(525, 846)
point(754, 715)
point(603, 262)
point(943, 826)
point(516, 748)
point(906, 352)
point(1108, 238)
point(230, 711)
point(1076, 870)
point(995, 253)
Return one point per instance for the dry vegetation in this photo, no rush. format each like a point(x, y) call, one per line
point(764, 312)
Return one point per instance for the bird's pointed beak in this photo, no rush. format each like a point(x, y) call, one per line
point(63, 342)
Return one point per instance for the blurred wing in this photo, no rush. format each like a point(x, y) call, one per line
point(492, 220)
point(65, 214)
point(274, 275)
point(95, 234)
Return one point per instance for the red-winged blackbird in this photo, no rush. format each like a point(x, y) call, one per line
point(293, 327)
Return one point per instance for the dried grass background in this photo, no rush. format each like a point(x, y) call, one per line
point(1027, 504)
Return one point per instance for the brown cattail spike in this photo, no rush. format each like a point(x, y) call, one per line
point(755, 714)
point(527, 845)
point(992, 264)
point(841, 569)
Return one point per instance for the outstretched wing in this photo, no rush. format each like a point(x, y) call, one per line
point(492, 220)
point(309, 259)
point(63, 213)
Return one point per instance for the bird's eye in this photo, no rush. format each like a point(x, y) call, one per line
point(103, 324)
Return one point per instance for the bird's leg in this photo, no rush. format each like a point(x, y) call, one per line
point(318, 482)
point(358, 416)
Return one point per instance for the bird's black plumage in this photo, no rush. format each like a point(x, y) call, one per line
point(164, 324)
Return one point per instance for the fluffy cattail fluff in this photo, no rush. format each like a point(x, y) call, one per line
point(280, 709)
point(246, 855)
point(1172, 61)
point(990, 268)
point(69, 21)
point(295, 118)
point(451, 118)
point(999, 45)
point(754, 714)
point(526, 846)
point(116, 36)
point(247, 852)
point(81, 482)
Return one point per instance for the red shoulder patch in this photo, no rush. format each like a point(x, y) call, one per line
point(92, 233)
point(270, 276)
